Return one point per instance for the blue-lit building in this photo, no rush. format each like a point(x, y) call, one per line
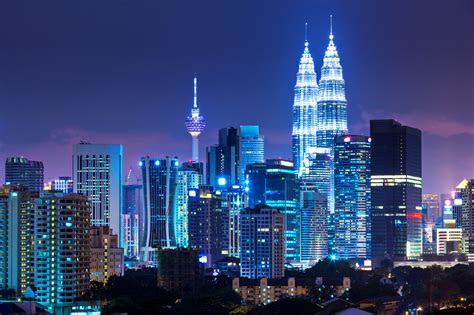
point(159, 219)
point(195, 124)
point(189, 177)
point(131, 213)
point(352, 196)
point(223, 159)
point(262, 243)
point(63, 183)
point(274, 183)
point(332, 104)
point(395, 191)
point(304, 109)
point(314, 219)
point(62, 250)
point(23, 172)
point(251, 149)
point(207, 224)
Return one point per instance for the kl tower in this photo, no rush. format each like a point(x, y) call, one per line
point(195, 124)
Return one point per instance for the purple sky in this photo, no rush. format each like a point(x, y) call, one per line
point(121, 72)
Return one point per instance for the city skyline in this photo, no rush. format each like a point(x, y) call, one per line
point(34, 79)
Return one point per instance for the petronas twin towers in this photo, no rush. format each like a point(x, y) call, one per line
point(319, 112)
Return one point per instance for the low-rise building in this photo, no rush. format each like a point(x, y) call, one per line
point(106, 255)
point(448, 240)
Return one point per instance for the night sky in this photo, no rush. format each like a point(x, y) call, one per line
point(121, 72)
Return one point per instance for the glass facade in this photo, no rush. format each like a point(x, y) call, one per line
point(304, 110)
point(352, 197)
point(251, 149)
point(396, 191)
point(159, 219)
point(132, 211)
point(21, 171)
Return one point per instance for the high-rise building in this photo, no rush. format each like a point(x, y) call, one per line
point(234, 200)
point(304, 109)
point(189, 177)
point(195, 124)
point(207, 224)
point(431, 202)
point(395, 190)
point(131, 213)
point(466, 188)
point(352, 196)
point(63, 183)
point(106, 255)
point(274, 183)
point(97, 174)
point(223, 159)
point(62, 247)
point(314, 217)
point(159, 218)
point(16, 240)
point(262, 253)
point(251, 149)
point(332, 104)
point(21, 171)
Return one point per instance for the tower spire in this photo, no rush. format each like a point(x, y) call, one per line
point(306, 34)
point(195, 90)
point(330, 27)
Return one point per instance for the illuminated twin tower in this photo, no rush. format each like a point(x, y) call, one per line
point(195, 124)
point(319, 112)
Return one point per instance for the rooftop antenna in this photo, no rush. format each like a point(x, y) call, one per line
point(330, 27)
point(195, 90)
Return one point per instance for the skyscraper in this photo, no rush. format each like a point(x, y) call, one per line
point(332, 104)
point(262, 243)
point(195, 124)
point(97, 174)
point(207, 224)
point(62, 247)
point(16, 239)
point(395, 190)
point(234, 200)
point(189, 177)
point(21, 171)
point(352, 196)
point(466, 188)
point(274, 183)
point(304, 109)
point(131, 214)
point(159, 218)
point(251, 149)
point(431, 202)
point(223, 159)
point(314, 234)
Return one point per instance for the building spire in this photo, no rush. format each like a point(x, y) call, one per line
point(306, 34)
point(195, 90)
point(330, 27)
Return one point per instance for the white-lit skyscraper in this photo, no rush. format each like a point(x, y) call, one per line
point(332, 104)
point(304, 109)
point(195, 124)
point(251, 149)
point(97, 174)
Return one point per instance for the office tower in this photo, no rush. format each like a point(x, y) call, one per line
point(97, 174)
point(314, 234)
point(195, 124)
point(262, 253)
point(352, 196)
point(332, 104)
point(179, 270)
point(234, 200)
point(274, 183)
point(223, 159)
point(16, 240)
point(395, 191)
point(466, 188)
point(304, 109)
point(251, 149)
point(131, 213)
point(207, 224)
point(189, 177)
point(457, 207)
point(63, 183)
point(431, 202)
point(21, 171)
point(62, 247)
point(106, 255)
point(159, 219)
